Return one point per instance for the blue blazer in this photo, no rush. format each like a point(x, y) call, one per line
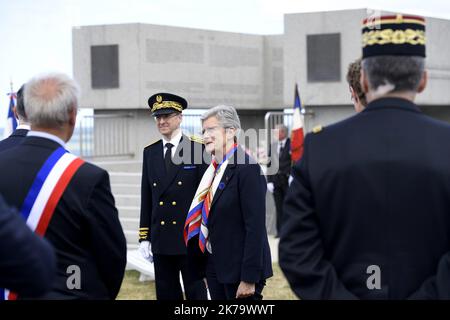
point(14, 139)
point(27, 262)
point(237, 223)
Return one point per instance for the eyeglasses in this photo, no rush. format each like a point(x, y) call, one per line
point(165, 117)
point(210, 130)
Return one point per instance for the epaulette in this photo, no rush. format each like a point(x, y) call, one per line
point(196, 139)
point(152, 143)
point(317, 129)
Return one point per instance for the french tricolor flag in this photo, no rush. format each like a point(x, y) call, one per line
point(11, 122)
point(297, 135)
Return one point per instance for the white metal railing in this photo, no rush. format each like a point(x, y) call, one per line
point(105, 135)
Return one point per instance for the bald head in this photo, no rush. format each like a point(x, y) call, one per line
point(50, 99)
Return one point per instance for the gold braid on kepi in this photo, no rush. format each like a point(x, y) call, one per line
point(165, 103)
point(393, 35)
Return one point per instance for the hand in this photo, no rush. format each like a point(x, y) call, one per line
point(245, 290)
point(145, 249)
point(270, 187)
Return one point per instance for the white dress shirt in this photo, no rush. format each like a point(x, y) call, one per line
point(175, 141)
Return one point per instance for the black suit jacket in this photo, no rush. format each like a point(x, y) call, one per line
point(283, 160)
point(85, 229)
point(237, 223)
point(14, 139)
point(166, 198)
point(27, 262)
point(372, 190)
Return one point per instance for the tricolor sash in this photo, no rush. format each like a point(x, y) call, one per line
point(197, 218)
point(45, 193)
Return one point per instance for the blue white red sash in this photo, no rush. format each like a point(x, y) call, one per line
point(197, 218)
point(45, 192)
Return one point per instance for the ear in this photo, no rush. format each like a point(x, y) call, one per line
point(230, 132)
point(15, 113)
point(73, 116)
point(364, 82)
point(423, 82)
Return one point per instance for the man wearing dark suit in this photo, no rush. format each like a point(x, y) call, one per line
point(27, 262)
point(172, 169)
point(84, 229)
point(233, 232)
point(22, 129)
point(280, 154)
point(367, 214)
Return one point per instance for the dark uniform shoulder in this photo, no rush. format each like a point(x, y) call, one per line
point(152, 144)
point(317, 129)
point(196, 139)
point(92, 170)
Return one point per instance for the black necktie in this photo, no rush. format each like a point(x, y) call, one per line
point(281, 147)
point(168, 156)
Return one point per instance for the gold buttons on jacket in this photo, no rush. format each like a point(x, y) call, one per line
point(154, 184)
point(174, 222)
point(163, 223)
point(180, 183)
point(174, 203)
point(161, 203)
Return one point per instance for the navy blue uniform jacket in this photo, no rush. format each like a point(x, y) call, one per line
point(372, 190)
point(237, 223)
point(166, 198)
point(14, 139)
point(27, 262)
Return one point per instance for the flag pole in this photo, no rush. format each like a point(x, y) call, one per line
point(11, 84)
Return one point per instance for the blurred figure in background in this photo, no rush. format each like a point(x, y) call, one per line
point(23, 127)
point(354, 83)
point(280, 154)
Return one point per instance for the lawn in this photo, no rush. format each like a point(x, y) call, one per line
point(277, 287)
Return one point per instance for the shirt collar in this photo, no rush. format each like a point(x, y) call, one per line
point(392, 103)
point(282, 142)
point(46, 135)
point(23, 126)
point(175, 140)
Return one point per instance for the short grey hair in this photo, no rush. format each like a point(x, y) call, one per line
point(403, 73)
point(50, 98)
point(227, 116)
point(20, 108)
point(282, 127)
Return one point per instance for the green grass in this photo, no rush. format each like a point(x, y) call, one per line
point(276, 288)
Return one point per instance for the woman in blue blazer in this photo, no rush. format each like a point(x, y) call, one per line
point(228, 213)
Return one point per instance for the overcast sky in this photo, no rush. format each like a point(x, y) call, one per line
point(36, 34)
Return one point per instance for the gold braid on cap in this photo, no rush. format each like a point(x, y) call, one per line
point(389, 36)
point(167, 105)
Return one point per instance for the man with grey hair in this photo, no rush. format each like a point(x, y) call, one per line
point(63, 198)
point(23, 127)
point(367, 214)
point(280, 154)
